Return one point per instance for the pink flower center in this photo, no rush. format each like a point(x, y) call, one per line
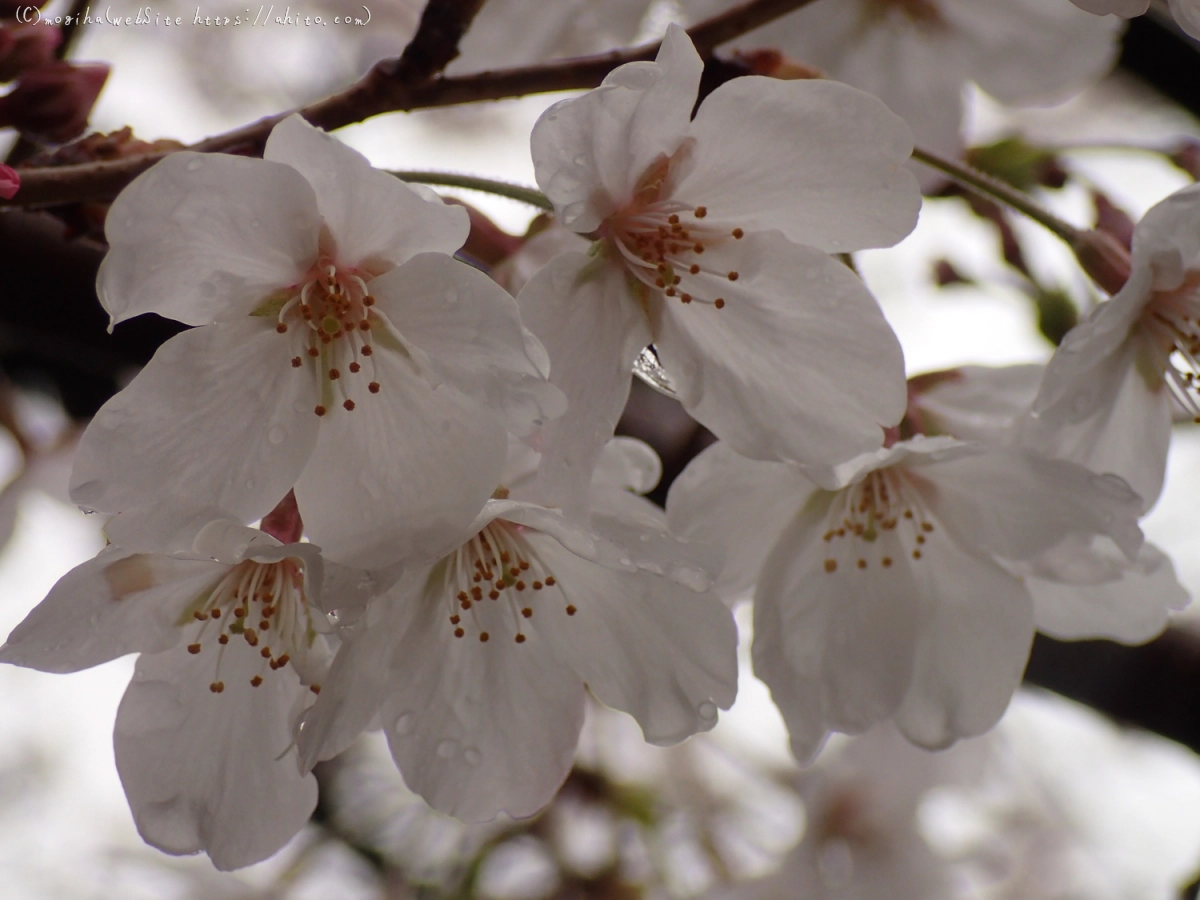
point(260, 603)
point(875, 521)
point(662, 241)
point(496, 566)
point(1171, 320)
point(330, 319)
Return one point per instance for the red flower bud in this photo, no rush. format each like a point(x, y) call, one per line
point(10, 182)
point(25, 47)
point(54, 101)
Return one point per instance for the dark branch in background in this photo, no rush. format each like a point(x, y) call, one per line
point(384, 89)
point(435, 45)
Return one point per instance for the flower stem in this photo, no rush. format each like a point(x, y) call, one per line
point(486, 185)
point(994, 189)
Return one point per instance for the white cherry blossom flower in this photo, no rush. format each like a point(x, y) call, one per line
point(232, 652)
point(477, 667)
point(890, 598)
point(1106, 398)
point(918, 55)
point(712, 237)
point(1083, 587)
point(340, 350)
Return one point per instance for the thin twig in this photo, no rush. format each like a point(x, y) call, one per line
point(379, 92)
point(994, 189)
point(487, 185)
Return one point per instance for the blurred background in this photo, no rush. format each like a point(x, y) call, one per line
point(1088, 788)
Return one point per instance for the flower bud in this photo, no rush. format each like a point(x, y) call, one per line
point(1103, 258)
point(10, 182)
point(54, 101)
point(25, 47)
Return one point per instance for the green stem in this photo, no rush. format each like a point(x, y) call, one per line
point(994, 189)
point(474, 183)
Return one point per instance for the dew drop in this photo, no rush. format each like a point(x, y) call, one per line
point(691, 577)
point(193, 165)
point(404, 723)
point(276, 434)
point(249, 484)
point(472, 756)
point(451, 297)
point(447, 749)
point(707, 710)
point(580, 160)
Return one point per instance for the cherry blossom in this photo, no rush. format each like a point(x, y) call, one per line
point(1106, 398)
point(890, 597)
point(232, 651)
point(1083, 587)
point(918, 55)
point(477, 666)
point(340, 350)
point(711, 237)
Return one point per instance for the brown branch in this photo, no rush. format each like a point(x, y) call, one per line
point(384, 90)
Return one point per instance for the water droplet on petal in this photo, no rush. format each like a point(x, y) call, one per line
point(707, 711)
point(249, 484)
point(404, 723)
point(691, 577)
point(472, 756)
point(276, 434)
point(193, 165)
point(451, 297)
point(447, 749)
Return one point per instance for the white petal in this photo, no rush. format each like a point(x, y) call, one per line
point(404, 473)
point(469, 329)
point(799, 365)
point(478, 728)
point(372, 215)
point(1187, 14)
point(208, 771)
point(820, 161)
point(662, 653)
point(1083, 375)
point(201, 236)
point(1127, 434)
point(628, 463)
point(1033, 52)
point(359, 679)
point(114, 604)
point(840, 642)
point(1165, 240)
point(1085, 590)
point(590, 151)
point(1124, 8)
point(582, 312)
point(975, 403)
point(218, 418)
point(1016, 504)
point(738, 508)
point(976, 627)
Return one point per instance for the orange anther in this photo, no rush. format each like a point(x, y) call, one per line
point(193, 648)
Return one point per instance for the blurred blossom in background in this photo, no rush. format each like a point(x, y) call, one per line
point(1056, 802)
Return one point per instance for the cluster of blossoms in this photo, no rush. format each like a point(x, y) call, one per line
point(370, 489)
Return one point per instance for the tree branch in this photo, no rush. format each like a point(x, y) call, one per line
point(386, 88)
